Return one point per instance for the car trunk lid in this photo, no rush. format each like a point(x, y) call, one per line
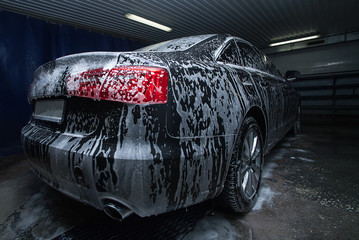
point(50, 79)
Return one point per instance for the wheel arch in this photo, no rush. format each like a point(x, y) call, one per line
point(231, 196)
point(257, 113)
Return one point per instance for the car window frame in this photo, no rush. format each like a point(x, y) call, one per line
point(224, 45)
point(223, 49)
point(268, 64)
point(254, 50)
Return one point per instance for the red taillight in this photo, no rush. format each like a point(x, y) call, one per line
point(130, 84)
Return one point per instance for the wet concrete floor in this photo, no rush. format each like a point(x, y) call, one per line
point(310, 190)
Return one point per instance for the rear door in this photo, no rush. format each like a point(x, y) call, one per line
point(269, 90)
point(290, 104)
point(271, 93)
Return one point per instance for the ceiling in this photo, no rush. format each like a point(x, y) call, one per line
point(259, 21)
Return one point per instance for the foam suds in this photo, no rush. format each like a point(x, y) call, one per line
point(302, 159)
point(305, 159)
point(213, 228)
point(266, 195)
point(268, 169)
point(302, 150)
point(34, 218)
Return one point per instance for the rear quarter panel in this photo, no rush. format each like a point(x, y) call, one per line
point(206, 105)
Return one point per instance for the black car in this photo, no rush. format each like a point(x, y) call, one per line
point(161, 128)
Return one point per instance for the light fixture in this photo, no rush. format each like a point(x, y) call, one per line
point(294, 40)
point(147, 22)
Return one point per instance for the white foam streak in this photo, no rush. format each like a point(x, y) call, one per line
point(266, 195)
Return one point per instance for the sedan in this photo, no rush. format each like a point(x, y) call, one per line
point(160, 128)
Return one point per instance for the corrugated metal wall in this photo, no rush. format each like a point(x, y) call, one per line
point(333, 93)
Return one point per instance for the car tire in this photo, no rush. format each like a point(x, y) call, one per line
point(297, 127)
point(244, 175)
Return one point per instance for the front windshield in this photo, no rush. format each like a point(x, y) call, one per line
point(180, 44)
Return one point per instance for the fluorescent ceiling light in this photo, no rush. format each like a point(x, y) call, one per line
point(147, 22)
point(294, 40)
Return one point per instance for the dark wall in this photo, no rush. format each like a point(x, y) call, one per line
point(25, 44)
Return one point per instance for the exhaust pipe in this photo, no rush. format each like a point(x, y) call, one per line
point(117, 212)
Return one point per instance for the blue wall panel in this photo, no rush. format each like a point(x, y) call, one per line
point(25, 44)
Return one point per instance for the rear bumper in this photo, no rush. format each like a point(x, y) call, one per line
point(92, 171)
point(145, 178)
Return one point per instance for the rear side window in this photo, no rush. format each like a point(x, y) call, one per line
point(269, 66)
point(230, 54)
point(275, 71)
point(250, 57)
point(267, 63)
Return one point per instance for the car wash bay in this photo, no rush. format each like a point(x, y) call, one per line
point(309, 190)
point(310, 186)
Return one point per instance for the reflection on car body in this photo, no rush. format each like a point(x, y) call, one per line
point(160, 128)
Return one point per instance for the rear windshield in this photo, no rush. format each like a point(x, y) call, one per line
point(180, 44)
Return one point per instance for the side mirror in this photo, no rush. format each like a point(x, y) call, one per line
point(292, 75)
